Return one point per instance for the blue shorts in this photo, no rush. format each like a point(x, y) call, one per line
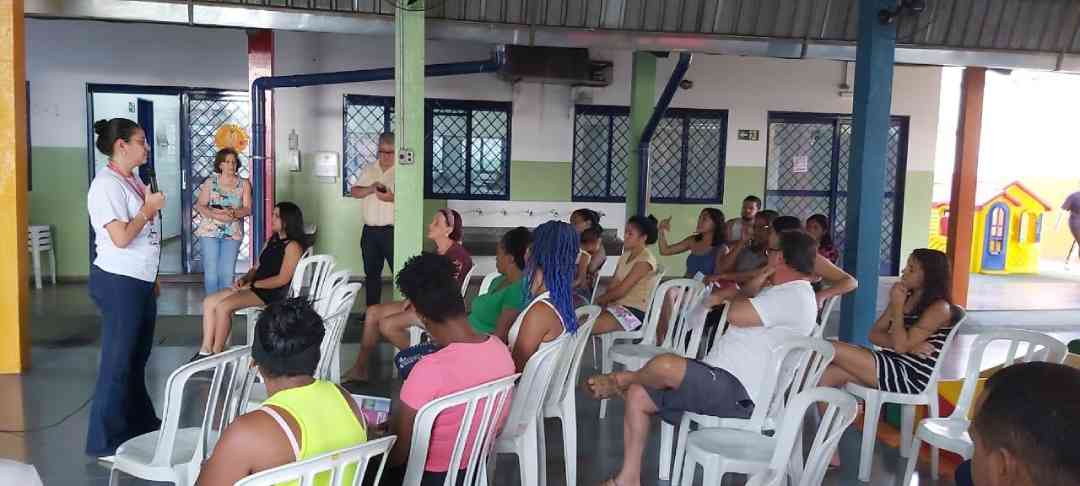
point(705, 390)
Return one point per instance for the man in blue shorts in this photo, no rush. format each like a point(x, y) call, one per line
point(728, 383)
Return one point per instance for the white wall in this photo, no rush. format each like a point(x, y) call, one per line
point(64, 55)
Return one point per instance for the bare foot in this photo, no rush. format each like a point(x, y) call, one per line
point(605, 386)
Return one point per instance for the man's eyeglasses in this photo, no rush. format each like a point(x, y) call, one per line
point(770, 250)
point(387, 152)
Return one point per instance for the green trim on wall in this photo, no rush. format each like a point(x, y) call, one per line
point(738, 183)
point(59, 200)
point(540, 181)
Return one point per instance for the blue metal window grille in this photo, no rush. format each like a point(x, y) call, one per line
point(807, 170)
point(688, 155)
point(468, 150)
point(206, 111)
point(365, 118)
point(601, 153)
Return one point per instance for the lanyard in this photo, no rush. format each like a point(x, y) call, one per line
point(138, 188)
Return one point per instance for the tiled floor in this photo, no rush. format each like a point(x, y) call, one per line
point(61, 379)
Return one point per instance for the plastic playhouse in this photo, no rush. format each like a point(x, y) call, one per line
point(1007, 231)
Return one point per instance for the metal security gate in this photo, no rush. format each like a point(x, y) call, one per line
point(202, 112)
point(807, 169)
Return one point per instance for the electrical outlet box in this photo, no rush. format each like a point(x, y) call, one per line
point(406, 157)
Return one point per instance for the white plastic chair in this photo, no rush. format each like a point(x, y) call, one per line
point(485, 285)
point(595, 288)
point(679, 337)
point(40, 240)
point(486, 403)
point(340, 304)
point(307, 281)
point(523, 432)
point(839, 414)
point(173, 454)
point(951, 433)
point(465, 281)
point(332, 463)
point(607, 340)
point(667, 431)
point(313, 272)
point(875, 398)
point(826, 311)
point(796, 364)
point(333, 281)
point(561, 400)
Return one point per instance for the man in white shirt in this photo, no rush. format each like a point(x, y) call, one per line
point(375, 187)
point(729, 384)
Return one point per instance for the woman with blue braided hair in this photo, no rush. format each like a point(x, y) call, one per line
point(549, 278)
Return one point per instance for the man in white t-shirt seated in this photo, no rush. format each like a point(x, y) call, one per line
point(726, 386)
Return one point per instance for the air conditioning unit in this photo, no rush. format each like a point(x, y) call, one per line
point(554, 65)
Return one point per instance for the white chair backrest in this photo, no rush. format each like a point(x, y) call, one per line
point(717, 332)
point(661, 272)
point(340, 305)
point(959, 316)
point(465, 281)
point(226, 398)
point(485, 285)
point(40, 234)
point(839, 414)
point(565, 380)
point(308, 252)
point(681, 338)
point(536, 379)
point(486, 403)
point(796, 364)
point(595, 287)
point(826, 311)
point(333, 464)
point(333, 282)
point(1024, 347)
point(656, 301)
point(310, 274)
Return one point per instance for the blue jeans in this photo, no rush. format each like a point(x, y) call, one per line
point(219, 262)
point(122, 408)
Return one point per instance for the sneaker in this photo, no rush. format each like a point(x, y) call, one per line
point(198, 355)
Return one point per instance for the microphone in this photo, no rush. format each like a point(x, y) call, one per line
point(148, 171)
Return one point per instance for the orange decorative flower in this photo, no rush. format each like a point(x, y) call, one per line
point(231, 135)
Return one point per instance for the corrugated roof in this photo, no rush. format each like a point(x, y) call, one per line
point(1048, 26)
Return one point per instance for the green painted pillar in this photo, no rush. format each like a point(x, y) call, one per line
point(642, 103)
point(409, 132)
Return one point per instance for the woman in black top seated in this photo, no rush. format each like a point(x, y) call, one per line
point(266, 283)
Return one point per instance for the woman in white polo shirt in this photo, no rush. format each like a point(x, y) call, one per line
point(127, 236)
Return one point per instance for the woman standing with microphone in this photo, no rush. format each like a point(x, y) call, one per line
point(127, 236)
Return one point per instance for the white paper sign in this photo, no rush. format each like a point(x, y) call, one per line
point(800, 164)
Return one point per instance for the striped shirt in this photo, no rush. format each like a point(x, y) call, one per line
point(908, 372)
